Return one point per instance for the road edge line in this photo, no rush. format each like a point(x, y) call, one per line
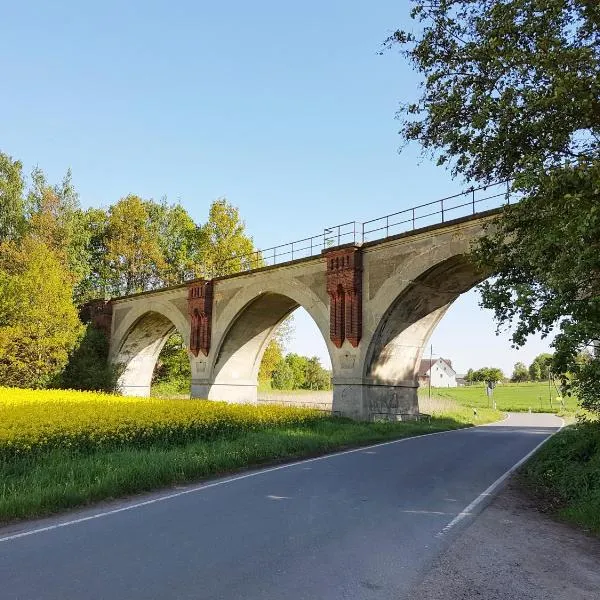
point(489, 493)
point(202, 487)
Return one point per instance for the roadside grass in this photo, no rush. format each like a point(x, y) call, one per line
point(509, 397)
point(564, 476)
point(51, 477)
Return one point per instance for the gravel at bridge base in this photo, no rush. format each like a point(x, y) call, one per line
point(512, 551)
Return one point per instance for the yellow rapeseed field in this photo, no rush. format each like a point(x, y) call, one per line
point(33, 421)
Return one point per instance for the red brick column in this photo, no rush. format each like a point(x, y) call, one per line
point(344, 286)
point(200, 301)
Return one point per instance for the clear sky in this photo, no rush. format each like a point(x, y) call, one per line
point(286, 109)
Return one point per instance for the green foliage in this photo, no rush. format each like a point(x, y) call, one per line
point(316, 377)
point(179, 241)
point(133, 252)
point(172, 372)
point(540, 367)
point(56, 218)
point(494, 106)
point(551, 276)
point(508, 86)
point(283, 376)
point(12, 206)
point(88, 367)
point(565, 473)
point(225, 246)
point(271, 358)
point(39, 325)
point(485, 374)
point(297, 372)
point(520, 373)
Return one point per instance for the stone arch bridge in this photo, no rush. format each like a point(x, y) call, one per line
point(375, 303)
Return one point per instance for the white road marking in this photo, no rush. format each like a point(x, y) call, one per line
point(492, 489)
point(207, 486)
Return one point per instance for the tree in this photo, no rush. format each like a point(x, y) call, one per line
point(520, 373)
point(134, 256)
point(487, 374)
point(98, 281)
point(540, 366)
point(225, 246)
point(271, 358)
point(56, 218)
point(469, 376)
point(273, 354)
point(173, 365)
point(494, 106)
point(179, 240)
point(298, 365)
point(88, 367)
point(39, 325)
point(317, 378)
point(283, 376)
point(12, 205)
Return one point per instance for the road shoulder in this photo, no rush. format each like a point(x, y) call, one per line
point(513, 551)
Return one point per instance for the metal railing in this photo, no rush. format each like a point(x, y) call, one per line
point(466, 203)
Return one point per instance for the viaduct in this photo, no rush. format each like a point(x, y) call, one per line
point(376, 304)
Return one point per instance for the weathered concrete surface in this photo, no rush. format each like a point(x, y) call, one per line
point(408, 283)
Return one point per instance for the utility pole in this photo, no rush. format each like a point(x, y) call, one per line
point(430, 367)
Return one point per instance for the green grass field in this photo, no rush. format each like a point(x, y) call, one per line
point(510, 397)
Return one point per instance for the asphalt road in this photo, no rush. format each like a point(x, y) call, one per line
point(364, 524)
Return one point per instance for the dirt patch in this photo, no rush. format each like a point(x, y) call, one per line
point(512, 550)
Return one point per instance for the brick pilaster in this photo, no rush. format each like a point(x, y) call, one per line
point(344, 286)
point(200, 303)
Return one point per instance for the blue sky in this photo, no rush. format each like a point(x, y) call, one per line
point(286, 109)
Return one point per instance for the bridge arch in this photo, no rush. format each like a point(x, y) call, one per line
point(138, 340)
point(411, 304)
point(243, 330)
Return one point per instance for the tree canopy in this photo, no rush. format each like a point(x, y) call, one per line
point(511, 91)
point(39, 325)
point(55, 256)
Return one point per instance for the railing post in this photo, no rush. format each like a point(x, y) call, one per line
point(413, 217)
point(275, 255)
point(362, 237)
point(292, 250)
point(473, 192)
point(442, 204)
point(338, 235)
point(311, 246)
point(507, 192)
point(387, 226)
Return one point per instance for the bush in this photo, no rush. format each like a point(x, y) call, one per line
point(88, 367)
point(565, 473)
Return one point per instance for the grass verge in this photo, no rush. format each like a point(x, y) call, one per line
point(564, 476)
point(42, 484)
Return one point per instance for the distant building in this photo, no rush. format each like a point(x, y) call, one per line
point(461, 379)
point(440, 370)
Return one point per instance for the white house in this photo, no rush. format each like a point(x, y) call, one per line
point(440, 370)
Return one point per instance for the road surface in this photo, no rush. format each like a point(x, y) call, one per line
point(364, 524)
